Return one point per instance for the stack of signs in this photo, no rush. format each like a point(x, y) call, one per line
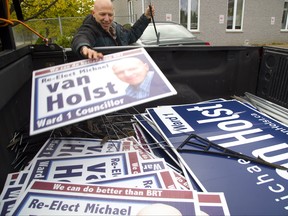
point(184, 159)
point(81, 176)
point(228, 146)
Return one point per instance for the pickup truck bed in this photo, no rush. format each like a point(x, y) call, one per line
point(197, 73)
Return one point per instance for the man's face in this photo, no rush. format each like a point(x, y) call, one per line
point(131, 70)
point(103, 13)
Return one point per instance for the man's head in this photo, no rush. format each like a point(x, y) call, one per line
point(131, 70)
point(103, 12)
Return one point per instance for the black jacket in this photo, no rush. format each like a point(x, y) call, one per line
point(91, 34)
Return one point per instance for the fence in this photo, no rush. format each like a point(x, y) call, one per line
point(58, 30)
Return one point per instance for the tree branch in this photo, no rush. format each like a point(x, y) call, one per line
point(42, 11)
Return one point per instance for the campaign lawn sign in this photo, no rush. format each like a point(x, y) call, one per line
point(6, 206)
point(84, 169)
point(162, 149)
point(250, 188)
point(73, 146)
point(59, 198)
point(10, 191)
point(213, 203)
point(158, 140)
point(80, 90)
point(164, 179)
point(11, 178)
point(65, 155)
point(62, 198)
point(132, 146)
point(72, 176)
point(157, 175)
point(158, 163)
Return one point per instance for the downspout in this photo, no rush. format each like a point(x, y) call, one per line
point(143, 10)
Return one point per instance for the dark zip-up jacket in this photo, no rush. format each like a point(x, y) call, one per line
point(91, 34)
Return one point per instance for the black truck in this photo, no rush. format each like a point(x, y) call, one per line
point(198, 73)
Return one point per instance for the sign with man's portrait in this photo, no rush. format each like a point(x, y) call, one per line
point(80, 90)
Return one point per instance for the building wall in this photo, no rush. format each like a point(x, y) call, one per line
point(166, 7)
point(256, 29)
point(209, 27)
point(121, 11)
point(163, 8)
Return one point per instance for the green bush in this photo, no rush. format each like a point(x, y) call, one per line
point(64, 41)
point(127, 26)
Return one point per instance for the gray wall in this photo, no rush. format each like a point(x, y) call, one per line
point(163, 7)
point(121, 11)
point(257, 28)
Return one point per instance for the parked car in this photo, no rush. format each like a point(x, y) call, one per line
point(168, 33)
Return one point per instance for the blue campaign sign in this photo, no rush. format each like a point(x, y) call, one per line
point(250, 188)
point(161, 149)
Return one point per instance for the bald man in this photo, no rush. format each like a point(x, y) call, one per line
point(99, 29)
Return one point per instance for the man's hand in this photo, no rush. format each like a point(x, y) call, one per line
point(86, 52)
point(148, 12)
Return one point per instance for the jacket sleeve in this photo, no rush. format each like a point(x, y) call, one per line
point(83, 37)
point(133, 34)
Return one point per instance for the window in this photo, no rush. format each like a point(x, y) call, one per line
point(189, 14)
point(235, 14)
point(284, 24)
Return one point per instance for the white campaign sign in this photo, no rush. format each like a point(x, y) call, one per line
point(77, 91)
